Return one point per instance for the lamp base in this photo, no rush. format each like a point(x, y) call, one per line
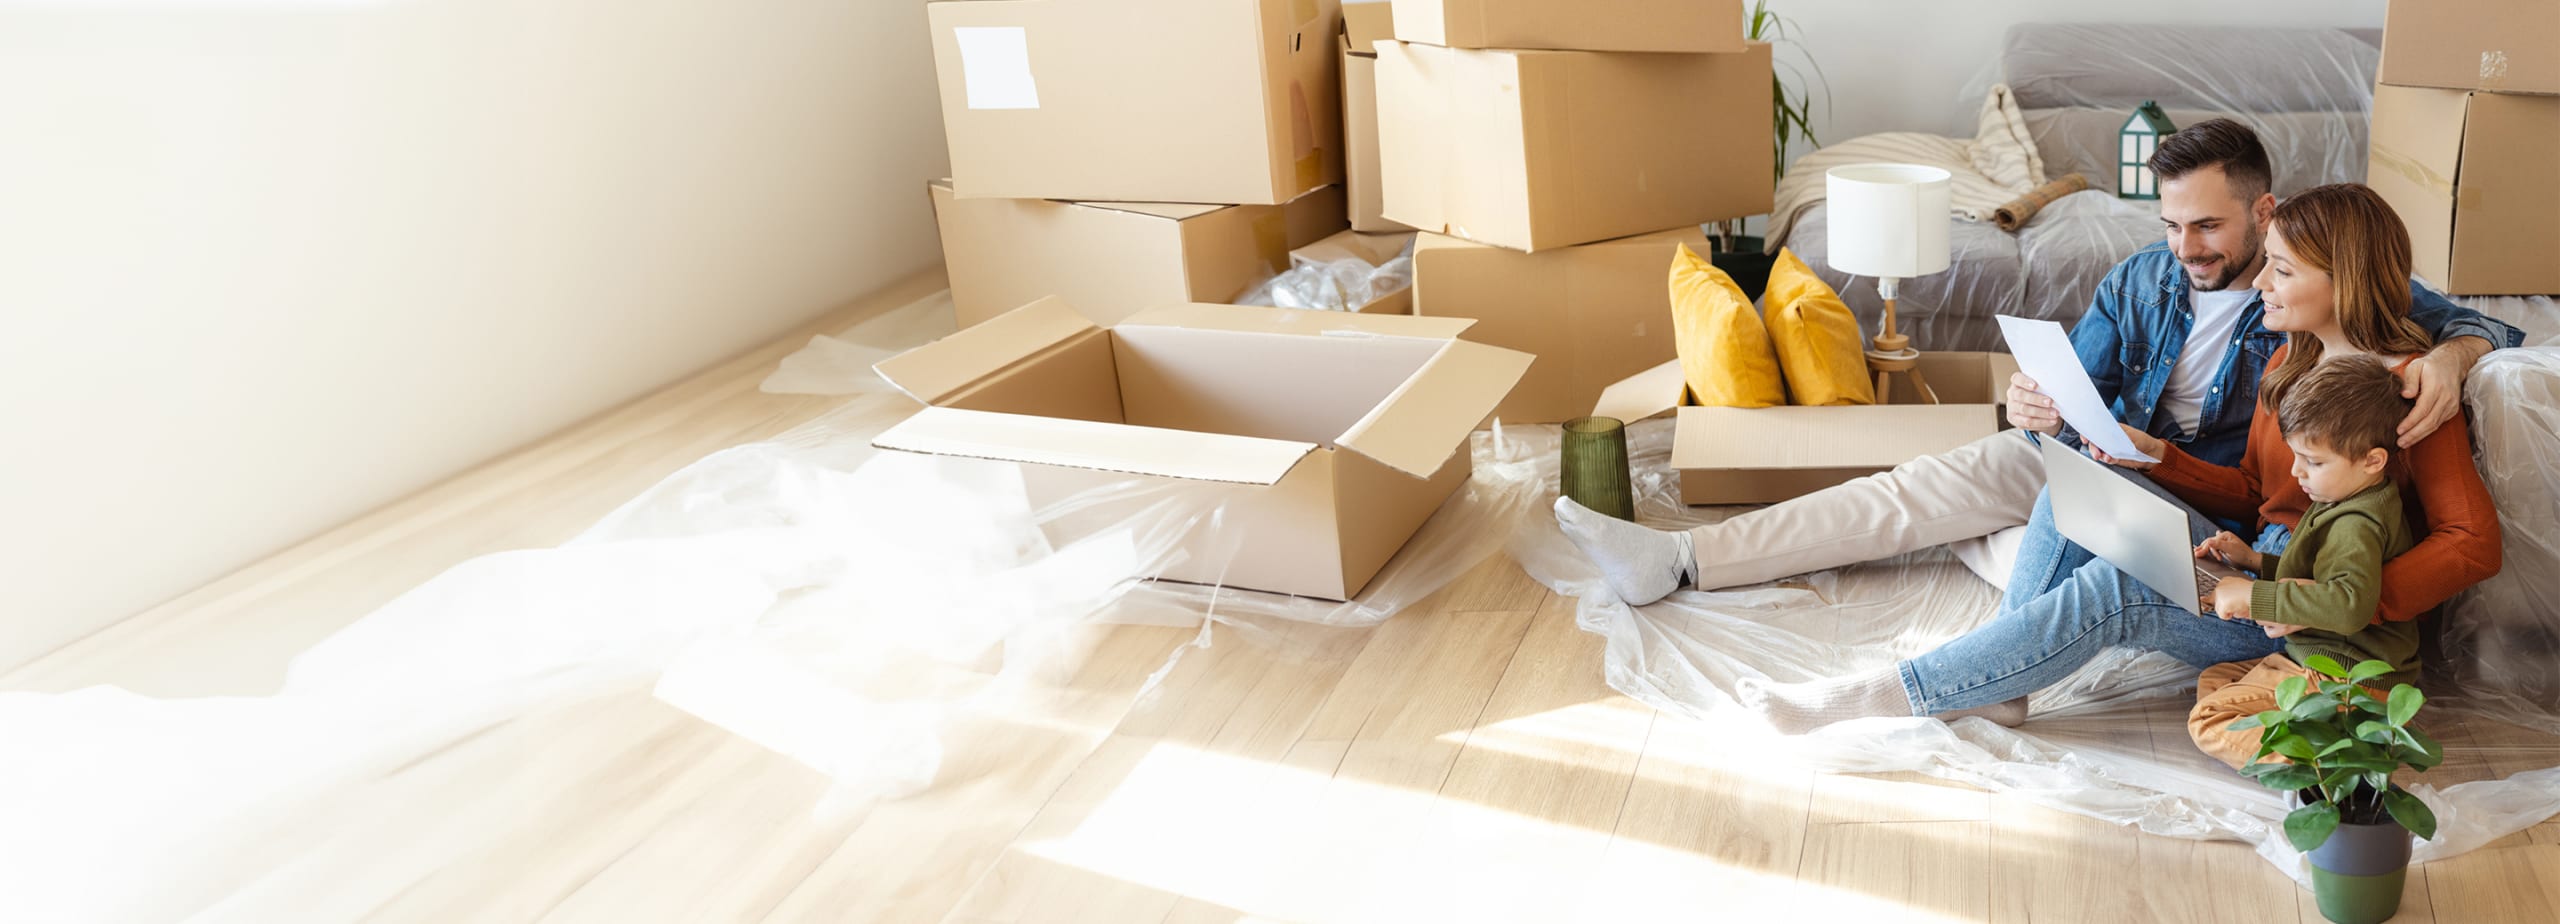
point(1903, 360)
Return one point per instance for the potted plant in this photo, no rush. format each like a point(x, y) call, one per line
point(2333, 744)
point(1791, 116)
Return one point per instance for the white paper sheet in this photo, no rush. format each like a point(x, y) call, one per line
point(995, 64)
point(2045, 355)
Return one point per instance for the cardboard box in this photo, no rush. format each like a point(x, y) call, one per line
point(1728, 455)
point(1373, 249)
point(1540, 149)
point(1363, 26)
point(1583, 25)
point(1592, 314)
point(2476, 177)
point(1323, 439)
point(2507, 46)
point(1002, 254)
point(1216, 101)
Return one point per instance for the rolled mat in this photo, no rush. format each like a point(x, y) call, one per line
point(2023, 209)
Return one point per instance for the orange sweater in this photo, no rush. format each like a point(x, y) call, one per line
point(2458, 543)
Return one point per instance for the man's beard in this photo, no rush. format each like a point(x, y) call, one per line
point(2232, 266)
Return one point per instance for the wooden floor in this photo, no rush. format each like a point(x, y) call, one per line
point(1461, 762)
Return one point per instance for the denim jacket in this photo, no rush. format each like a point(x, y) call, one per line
point(2137, 327)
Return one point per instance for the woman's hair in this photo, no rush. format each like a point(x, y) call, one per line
point(2346, 231)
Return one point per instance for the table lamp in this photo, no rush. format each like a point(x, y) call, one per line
point(1889, 221)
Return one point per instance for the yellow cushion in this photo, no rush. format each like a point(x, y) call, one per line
point(1816, 336)
point(1724, 352)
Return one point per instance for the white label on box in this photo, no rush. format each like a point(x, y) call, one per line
point(995, 64)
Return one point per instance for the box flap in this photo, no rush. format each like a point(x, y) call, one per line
point(1104, 447)
point(1258, 319)
point(1175, 211)
point(1651, 393)
point(1416, 429)
point(935, 371)
point(1364, 24)
point(1877, 436)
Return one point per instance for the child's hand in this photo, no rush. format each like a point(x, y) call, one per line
point(2277, 629)
point(2231, 598)
point(2228, 549)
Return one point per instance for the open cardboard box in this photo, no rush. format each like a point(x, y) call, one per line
point(1323, 438)
point(1731, 455)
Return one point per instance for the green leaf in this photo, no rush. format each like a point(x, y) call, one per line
point(2367, 764)
point(2378, 781)
point(2309, 826)
point(2411, 813)
point(2429, 753)
point(2244, 724)
point(2290, 691)
point(2338, 780)
point(2289, 777)
point(2367, 670)
point(2335, 747)
point(2316, 706)
point(2377, 733)
point(2405, 700)
point(2325, 665)
point(2291, 745)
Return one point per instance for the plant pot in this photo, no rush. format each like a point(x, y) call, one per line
point(1746, 264)
point(2357, 875)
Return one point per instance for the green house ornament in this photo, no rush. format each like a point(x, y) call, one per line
point(2140, 137)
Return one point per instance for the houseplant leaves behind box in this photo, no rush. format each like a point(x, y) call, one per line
point(1791, 116)
point(2339, 745)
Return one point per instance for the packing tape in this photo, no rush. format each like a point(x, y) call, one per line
point(1271, 238)
point(2410, 169)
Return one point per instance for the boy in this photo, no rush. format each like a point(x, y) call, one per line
point(2321, 594)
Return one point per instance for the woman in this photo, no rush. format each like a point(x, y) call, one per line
point(2336, 282)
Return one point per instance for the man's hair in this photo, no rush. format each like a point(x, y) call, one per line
point(2217, 143)
point(2350, 404)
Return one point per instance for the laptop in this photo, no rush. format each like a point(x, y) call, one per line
point(2138, 532)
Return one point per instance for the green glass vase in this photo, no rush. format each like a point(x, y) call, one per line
point(1595, 466)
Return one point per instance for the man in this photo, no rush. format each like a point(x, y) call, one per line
point(2174, 342)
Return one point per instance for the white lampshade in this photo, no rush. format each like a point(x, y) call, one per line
point(1887, 220)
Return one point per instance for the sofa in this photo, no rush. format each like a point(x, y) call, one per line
point(2306, 92)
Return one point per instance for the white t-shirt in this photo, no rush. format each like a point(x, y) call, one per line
point(2217, 329)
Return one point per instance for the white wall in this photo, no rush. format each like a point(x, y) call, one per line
point(1919, 65)
point(267, 264)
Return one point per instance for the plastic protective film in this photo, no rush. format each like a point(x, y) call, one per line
point(2111, 741)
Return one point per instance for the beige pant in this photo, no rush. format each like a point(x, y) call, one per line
point(1969, 493)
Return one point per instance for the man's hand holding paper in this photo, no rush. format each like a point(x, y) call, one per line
point(2046, 358)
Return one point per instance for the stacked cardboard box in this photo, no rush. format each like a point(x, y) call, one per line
point(1133, 153)
point(2466, 141)
point(1555, 156)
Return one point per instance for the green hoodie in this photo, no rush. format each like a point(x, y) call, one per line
point(2340, 548)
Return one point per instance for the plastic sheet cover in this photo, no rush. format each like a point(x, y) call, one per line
point(2110, 742)
point(1341, 284)
point(839, 605)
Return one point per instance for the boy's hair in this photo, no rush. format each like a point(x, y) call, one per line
point(2217, 143)
point(2350, 404)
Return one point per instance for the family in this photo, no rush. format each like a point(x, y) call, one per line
point(2304, 399)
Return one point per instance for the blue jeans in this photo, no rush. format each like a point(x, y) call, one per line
point(2063, 607)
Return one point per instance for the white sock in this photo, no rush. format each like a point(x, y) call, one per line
point(1797, 708)
point(1641, 563)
